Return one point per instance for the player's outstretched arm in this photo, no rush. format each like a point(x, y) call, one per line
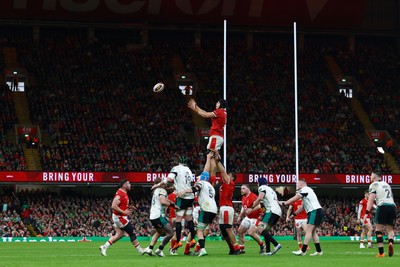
point(291, 200)
point(225, 177)
point(288, 213)
point(193, 106)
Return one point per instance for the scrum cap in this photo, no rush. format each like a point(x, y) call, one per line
point(205, 176)
point(262, 181)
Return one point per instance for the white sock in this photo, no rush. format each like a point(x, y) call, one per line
point(107, 245)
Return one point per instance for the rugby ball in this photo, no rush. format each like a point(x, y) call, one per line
point(158, 87)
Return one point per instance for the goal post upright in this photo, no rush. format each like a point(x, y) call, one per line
point(225, 95)
point(296, 124)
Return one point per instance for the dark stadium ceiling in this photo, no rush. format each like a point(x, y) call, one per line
point(327, 14)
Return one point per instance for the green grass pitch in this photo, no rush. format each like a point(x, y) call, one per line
point(336, 254)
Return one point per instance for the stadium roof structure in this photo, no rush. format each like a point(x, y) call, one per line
point(342, 15)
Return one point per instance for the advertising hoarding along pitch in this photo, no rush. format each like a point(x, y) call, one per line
point(148, 177)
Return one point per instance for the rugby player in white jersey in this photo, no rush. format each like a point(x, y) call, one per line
point(273, 212)
point(181, 176)
point(208, 207)
point(159, 204)
point(315, 214)
point(385, 214)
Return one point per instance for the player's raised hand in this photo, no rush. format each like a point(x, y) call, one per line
point(192, 104)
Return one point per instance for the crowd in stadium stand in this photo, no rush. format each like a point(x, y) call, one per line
point(107, 118)
point(375, 64)
point(11, 154)
point(104, 118)
point(96, 104)
point(52, 214)
point(12, 217)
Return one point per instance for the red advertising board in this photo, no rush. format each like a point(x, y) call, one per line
point(148, 177)
point(30, 130)
point(272, 13)
point(376, 134)
point(78, 177)
point(338, 179)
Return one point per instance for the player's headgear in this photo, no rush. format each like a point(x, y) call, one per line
point(262, 181)
point(222, 103)
point(183, 159)
point(205, 176)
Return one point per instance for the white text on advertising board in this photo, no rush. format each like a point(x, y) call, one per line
point(68, 177)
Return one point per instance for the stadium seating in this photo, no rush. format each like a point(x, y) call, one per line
point(106, 118)
point(72, 214)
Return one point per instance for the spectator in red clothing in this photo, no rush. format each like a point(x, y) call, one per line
point(26, 215)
